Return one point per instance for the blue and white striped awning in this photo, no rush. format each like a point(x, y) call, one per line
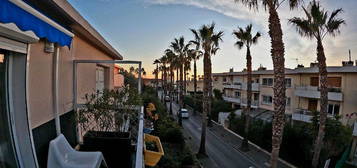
point(28, 19)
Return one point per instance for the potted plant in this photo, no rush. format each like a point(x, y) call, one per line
point(105, 121)
point(153, 150)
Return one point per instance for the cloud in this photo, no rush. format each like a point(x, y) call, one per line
point(296, 47)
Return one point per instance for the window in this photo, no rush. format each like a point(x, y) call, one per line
point(333, 109)
point(224, 79)
point(288, 82)
point(267, 100)
point(257, 80)
point(288, 101)
point(100, 78)
point(237, 94)
point(267, 82)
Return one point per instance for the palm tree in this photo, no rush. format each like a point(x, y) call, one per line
point(187, 67)
point(197, 55)
point(179, 47)
point(246, 38)
point(163, 61)
point(318, 24)
point(277, 54)
point(209, 42)
point(157, 62)
point(171, 56)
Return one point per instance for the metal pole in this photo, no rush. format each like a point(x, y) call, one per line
point(56, 91)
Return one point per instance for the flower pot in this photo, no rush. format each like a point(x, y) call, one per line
point(115, 146)
point(153, 157)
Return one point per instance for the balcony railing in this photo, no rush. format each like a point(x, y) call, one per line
point(255, 86)
point(232, 99)
point(254, 103)
point(232, 86)
point(314, 92)
point(302, 115)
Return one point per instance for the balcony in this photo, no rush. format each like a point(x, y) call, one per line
point(255, 87)
point(302, 115)
point(235, 85)
point(254, 103)
point(334, 94)
point(232, 99)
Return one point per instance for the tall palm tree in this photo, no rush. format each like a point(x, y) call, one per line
point(187, 67)
point(277, 54)
point(197, 55)
point(180, 48)
point(317, 24)
point(163, 61)
point(171, 56)
point(247, 39)
point(157, 62)
point(209, 42)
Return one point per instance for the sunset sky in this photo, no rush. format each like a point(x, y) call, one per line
point(143, 29)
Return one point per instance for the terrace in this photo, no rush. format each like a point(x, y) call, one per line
point(123, 119)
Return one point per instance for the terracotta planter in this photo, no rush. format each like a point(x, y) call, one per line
point(152, 157)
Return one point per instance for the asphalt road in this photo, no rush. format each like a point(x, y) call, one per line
point(221, 154)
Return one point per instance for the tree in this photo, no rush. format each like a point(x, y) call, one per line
point(277, 54)
point(210, 44)
point(196, 56)
point(180, 48)
point(157, 62)
point(163, 61)
point(171, 56)
point(246, 38)
point(318, 24)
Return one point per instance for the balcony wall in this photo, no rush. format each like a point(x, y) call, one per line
point(254, 104)
point(255, 86)
point(313, 92)
point(302, 115)
point(231, 99)
point(231, 86)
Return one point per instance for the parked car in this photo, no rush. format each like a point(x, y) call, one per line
point(184, 113)
point(167, 98)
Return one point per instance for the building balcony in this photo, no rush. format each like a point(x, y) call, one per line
point(227, 85)
point(255, 87)
point(254, 103)
point(231, 99)
point(302, 115)
point(334, 94)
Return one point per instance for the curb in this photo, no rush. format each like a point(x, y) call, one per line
point(256, 146)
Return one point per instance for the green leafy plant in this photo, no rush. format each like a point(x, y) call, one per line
point(108, 110)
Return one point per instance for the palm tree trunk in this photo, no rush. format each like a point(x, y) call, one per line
point(171, 87)
point(277, 53)
point(194, 85)
point(177, 84)
point(323, 102)
point(184, 84)
point(157, 78)
point(245, 145)
point(181, 93)
point(162, 85)
point(206, 101)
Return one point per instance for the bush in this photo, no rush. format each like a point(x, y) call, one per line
point(297, 143)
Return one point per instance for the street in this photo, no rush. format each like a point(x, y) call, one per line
point(220, 154)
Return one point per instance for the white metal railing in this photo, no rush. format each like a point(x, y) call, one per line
point(302, 115)
point(139, 157)
point(231, 99)
point(254, 103)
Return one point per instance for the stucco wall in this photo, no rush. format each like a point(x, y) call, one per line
point(41, 78)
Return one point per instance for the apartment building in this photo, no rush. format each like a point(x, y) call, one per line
point(302, 91)
point(39, 44)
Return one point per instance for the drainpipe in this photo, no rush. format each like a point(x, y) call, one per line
point(56, 90)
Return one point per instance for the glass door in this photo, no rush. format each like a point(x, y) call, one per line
point(7, 149)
